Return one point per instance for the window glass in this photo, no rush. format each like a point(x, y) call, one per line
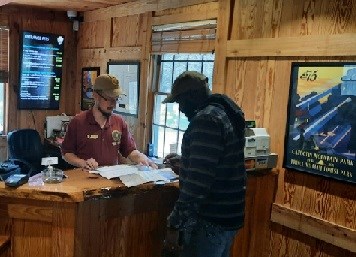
point(159, 114)
point(158, 140)
point(195, 57)
point(180, 139)
point(171, 141)
point(195, 66)
point(183, 122)
point(168, 56)
point(172, 115)
point(179, 68)
point(208, 71)
point(208, 57)
point(181, 57)
point(166, 77)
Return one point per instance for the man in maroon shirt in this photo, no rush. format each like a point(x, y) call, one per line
point(97, 137)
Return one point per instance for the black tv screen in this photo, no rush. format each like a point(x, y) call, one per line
point(41, 63)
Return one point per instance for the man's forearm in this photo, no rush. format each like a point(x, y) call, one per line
point(74, 160)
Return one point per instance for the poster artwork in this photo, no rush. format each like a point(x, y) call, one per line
point(321, 131)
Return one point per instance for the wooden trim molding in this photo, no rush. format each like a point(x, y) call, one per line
point(313, 45)
point(192, 13)
point(138, 7)
point(4, 242)
point(316, 227)
point(222, 36)
point(20, 211)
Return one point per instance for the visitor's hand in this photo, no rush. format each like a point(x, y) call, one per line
point(172, 160)
point(171, 245)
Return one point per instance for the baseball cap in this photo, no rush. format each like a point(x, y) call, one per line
point(108, 84)
point(185, 82)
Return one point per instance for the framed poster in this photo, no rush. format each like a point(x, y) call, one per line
point(89, 74)
point(321, 124)
point(128, 74)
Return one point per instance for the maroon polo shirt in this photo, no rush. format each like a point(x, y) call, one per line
point(86, 139)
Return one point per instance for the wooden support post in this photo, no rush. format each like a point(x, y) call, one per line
point(219, 77)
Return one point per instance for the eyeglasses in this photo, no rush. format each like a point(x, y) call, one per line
point(109, 99)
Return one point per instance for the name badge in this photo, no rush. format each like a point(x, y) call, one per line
point(93, 136)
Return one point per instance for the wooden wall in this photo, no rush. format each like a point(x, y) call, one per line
point(258, 42)
point(124, 33)
point(118, 39)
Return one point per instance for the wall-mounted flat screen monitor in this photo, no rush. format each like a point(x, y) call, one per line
point(41, 64)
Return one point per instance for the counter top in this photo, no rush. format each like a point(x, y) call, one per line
point(79, 186)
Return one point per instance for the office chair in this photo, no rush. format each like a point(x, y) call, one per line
point(25, 149)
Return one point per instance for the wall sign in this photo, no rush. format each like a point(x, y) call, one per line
point(321, 128)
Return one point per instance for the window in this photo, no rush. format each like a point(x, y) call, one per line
point(168, 123)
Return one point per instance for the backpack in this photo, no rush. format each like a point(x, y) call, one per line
point(7, 169)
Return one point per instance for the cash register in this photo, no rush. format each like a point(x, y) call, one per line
point(55, 130)
point(257, 150)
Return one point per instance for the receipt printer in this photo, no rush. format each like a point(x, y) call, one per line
point(257, 142)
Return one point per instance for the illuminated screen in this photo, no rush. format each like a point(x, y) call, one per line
point(41, 63)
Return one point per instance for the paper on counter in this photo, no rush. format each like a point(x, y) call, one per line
point(115, 171)
point(135, 175)
point(130, 180)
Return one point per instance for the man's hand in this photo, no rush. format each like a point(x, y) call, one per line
point(91, 164)
point(172, 160)
point(171, 245)
point(140, 158)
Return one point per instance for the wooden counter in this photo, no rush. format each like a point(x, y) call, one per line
point(85, 215)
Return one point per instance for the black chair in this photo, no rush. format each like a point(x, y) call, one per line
point(25, 149)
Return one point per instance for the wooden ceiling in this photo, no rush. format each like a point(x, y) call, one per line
point(65, 5)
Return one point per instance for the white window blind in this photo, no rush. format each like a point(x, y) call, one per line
point(187, 37)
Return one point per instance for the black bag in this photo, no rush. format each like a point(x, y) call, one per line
point(7, 169)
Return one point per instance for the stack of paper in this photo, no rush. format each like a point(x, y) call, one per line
point(136, 175)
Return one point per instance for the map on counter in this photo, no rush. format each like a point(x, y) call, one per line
point(136, 175)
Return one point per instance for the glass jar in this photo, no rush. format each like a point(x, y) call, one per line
point(52, 175)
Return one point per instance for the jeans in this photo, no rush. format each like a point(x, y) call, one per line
point(207, 240)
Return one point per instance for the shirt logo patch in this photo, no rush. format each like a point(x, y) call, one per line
point(93, 136)
point(116, 137)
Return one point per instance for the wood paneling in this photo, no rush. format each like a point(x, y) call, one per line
point(78, 5)
point(313, 45)
point(266, 37)
point(190, 13)
point(5, 246)
point(127, 31)
point(318, 228)
point(253, 239)
point(92, 34)
point(108, 219)
point(222, 35)
point(3, 148)
point(138, 7)
point(18, 211)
